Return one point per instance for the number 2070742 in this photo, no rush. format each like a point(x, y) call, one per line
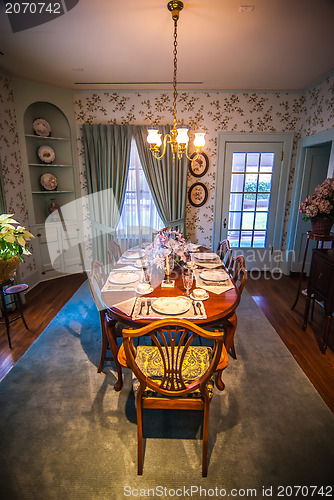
point(33, 8)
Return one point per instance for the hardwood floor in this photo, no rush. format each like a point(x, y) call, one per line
point(274, 297)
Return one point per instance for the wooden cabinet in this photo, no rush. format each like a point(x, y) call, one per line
point(321, 287)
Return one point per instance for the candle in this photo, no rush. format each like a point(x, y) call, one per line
point(167, 265)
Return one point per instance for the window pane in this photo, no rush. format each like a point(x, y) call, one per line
point(265, 182)
point(246, 239)
point(237, 182)
point(267, 162)
point(259, 240)
point(251, 182)
point(235, 201)
point(234, 220)
point(253, 160)
point(249, 201)
point(238, 162)
point(233, 237)
point(261, 219)
point(248, 220)
point(262, 203)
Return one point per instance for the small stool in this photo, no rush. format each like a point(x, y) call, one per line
point(6, 288)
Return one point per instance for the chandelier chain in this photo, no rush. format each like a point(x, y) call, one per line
point(175, 69)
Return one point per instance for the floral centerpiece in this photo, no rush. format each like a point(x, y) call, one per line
point(319, 207)
point(168, 243)
point(13, 240)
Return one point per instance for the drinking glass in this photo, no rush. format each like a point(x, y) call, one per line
point(188, 278)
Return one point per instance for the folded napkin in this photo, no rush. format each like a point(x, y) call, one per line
point(115, 287)
point(216, 287)
point(140, 312)
point(126, 306)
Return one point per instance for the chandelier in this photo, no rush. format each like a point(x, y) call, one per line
point(178, 137)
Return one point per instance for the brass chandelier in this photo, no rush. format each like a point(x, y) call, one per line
point(178, 137)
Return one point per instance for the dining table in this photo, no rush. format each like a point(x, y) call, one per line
point(126, 304)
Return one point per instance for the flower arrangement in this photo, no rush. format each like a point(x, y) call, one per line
point(168, 242)
point(12, 238)
point(320, 204)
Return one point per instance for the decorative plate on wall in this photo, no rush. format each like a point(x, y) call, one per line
point(42, 127)
point(49, 182)
point(198, 194)
point(199, 164)
point(46, 154)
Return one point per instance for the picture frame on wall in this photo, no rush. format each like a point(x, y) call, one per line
point(198, 194)
point(198, 164)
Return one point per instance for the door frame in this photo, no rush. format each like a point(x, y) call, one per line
point(238, 137)
point(303, 144)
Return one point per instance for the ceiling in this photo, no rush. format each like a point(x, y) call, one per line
point(128, 44)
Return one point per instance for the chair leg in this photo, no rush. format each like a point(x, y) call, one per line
point(219, 382)
point(19, 305)
point(230, 329)
point(111, 335)
point(105, 343)
point(231, 351)
point(205, 439)
point(139, 436)
point(5, 314)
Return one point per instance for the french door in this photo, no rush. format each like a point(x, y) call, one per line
point(251, 213)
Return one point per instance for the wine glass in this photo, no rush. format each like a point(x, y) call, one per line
point(187, 278)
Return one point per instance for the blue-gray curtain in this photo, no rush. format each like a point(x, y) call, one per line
point(166, 179)
point(107, 153)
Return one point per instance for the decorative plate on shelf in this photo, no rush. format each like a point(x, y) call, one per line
point(46, 154)
point(42, 127)
point(49, 182)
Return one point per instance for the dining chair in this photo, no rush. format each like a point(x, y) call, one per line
point(224, 251)
point(238, 273)
point(109, 330)
point(173, 372)
point(114, 252)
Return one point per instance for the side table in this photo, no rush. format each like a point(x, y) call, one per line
point(321, 287)
point(320, 239)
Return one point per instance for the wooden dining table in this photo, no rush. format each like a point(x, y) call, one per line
point(218, 307)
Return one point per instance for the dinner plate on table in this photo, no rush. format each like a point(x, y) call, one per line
point(171, 306)
point(133, 254)
point(123, 278)
point(205, 256)
point(213, 275)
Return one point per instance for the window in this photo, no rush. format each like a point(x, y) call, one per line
point(139, 216)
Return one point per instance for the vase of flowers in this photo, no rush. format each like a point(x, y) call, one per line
point(319, 208)
point(13, 240)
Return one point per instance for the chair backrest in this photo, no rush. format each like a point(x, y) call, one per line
point(239, 272)
point(114, 252)
point(97, 279)
point(179, 367)
point(225, 253)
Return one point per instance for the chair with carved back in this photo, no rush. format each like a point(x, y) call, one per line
point(173, 372)
point(109, 332)
point(114, 252)
point(238, 273)
point(224, 251)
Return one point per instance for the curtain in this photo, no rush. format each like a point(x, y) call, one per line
point(107, 150)
point(139, 218)
point(167, 179)
point(3, 207)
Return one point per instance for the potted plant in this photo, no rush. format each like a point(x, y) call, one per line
point(319, 208)
point(13, 240)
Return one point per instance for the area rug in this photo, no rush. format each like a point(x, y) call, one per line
point(65, 433)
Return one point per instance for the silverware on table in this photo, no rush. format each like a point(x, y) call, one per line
point(141, 306)
point(148, 306)
point(195, 312)
point(199, 307)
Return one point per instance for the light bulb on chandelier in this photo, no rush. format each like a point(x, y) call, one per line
point(178, 137)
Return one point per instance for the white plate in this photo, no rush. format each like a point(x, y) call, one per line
point(123, 278)
point(200, 300)
point(42, 127)
point(205, 256)
point(213, 275)
point(49, 182)
point(150, 290)
point(46, 154)
point(171, 305)
point(133, 254)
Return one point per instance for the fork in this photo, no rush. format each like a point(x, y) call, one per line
point(148, 306)
point(195, 312)
point(141, 306)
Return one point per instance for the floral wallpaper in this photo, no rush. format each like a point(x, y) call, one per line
point(302, 113)
point(12, 163)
